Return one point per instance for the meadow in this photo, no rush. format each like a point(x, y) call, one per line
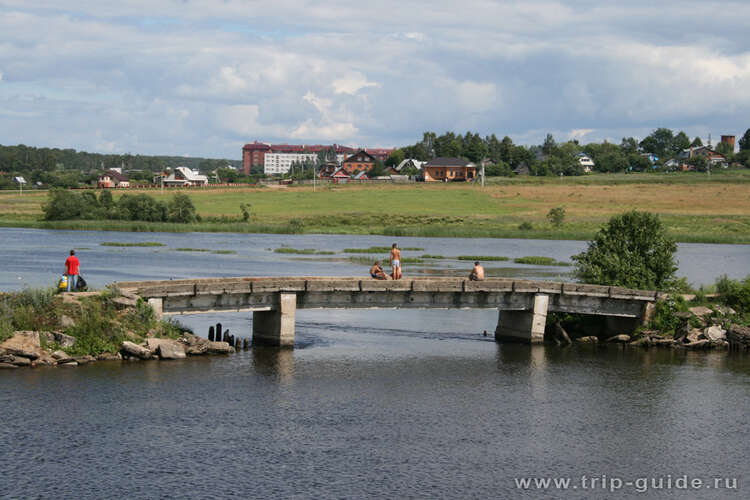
point(694, 207)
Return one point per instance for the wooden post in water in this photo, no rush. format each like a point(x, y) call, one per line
point(218, 332)
point(245, 344)
point(211, 333)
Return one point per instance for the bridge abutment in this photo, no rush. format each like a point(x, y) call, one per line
point(524, 326)
point(276, 327)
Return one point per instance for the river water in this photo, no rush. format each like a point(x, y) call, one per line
point(370, 404)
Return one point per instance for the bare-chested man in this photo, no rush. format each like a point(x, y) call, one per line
point(396, 261)
point(377, 272)
point(477, 274)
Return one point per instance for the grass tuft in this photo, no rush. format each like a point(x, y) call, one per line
point(137, 244)
point(539, 261)
point(482, 257)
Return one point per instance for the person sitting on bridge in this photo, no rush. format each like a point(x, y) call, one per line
point(376, 271)
point(477, 274)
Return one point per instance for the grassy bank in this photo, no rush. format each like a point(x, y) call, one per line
point(97, 322)
point(693, 207)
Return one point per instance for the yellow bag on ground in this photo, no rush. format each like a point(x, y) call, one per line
point(63, 283)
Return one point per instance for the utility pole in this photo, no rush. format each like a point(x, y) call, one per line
point(482, 174)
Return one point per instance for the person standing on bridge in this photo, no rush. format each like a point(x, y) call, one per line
point(395, 257)
point(72, 269)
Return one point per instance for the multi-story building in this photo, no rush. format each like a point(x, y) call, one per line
point(278, 158)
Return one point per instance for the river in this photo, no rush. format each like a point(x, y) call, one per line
point(370, 404)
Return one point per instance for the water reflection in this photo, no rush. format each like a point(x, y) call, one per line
point(274, 362)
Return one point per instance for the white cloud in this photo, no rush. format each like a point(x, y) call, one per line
point(352, 83)
point(201, 76)
point(580, 133)
point(476, 96)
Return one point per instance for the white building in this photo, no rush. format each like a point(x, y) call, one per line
point(280, 163)
point(182, 176)
point(586, 162)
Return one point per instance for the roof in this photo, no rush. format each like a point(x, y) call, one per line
point(360, 175)
point(191, 175)
point(116, 175)
point(340, 173)
point(448, 162)
point(257, 146)
point(361, 151)
point(417, 164)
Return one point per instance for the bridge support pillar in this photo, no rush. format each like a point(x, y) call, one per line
point(276, 327)
point(157, 304)
point(524, 326)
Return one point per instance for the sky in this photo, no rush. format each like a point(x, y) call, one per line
point(202, 78)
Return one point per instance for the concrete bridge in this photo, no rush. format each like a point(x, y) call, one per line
point(523, 305)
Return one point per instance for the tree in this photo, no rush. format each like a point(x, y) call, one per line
point(396, 157)
point(631, 250)
point(181, 209)
point(699, 162)
point(697, 143)
point(629, 145)
point(550, 146)
point(377, 170)
point(556, 216)
point(745, 141)
point(726, 149)
point(660, 142)
point(61, 205)
point(681, 141)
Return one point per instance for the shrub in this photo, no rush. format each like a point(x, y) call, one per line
point(61, 205)
point(525, 226)
point(181, 209)
point(556, 216)
point(141, 207)
point(735, 293)
point(664, 317)
point(632, 250)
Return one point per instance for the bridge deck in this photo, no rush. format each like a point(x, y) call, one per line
point(249, 285)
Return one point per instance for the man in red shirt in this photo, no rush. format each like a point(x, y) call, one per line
point(71, 271)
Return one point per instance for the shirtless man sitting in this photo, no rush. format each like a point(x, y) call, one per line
point(477, 274)
point(377, 272)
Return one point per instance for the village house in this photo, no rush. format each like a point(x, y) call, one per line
point(327, 169)
point(182, 177)
point(408, 163)
point(714, 158)
point(361, 161)
point(522, 169)
point(340, 176)
point(585, 162)
point(449, 170)
point(113, 179)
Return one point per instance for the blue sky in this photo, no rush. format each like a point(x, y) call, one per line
point(202, 78)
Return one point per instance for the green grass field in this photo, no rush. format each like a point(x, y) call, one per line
point(694, 207)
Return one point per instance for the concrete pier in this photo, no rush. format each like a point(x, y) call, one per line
point(276, 327)
point(524, 326)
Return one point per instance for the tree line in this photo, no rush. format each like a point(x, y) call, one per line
point(71, 168)
point(553, 158)
point(63, 204)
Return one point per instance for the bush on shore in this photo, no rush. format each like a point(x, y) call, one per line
point(63, 204)
point(96, 322)
point(631, 250)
